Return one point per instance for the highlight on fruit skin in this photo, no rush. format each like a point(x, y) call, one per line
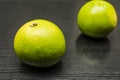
point(39, 43)
point(97, 18)
point(97, 0)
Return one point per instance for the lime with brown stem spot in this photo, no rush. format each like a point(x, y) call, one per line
point(39, 43)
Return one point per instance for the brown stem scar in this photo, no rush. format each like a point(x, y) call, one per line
point(33, 25)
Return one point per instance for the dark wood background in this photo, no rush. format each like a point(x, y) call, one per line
point(84, 59)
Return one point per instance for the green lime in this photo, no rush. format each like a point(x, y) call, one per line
point(39, 43)
point(97, 18)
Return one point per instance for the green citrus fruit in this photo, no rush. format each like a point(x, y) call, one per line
point(39, 43)
point(97, 18)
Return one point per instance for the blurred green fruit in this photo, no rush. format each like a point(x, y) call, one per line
point(97, 18)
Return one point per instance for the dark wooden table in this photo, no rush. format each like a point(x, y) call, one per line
point(85, 58)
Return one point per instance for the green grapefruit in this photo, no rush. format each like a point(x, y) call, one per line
point(39, 43)
point(97, 18)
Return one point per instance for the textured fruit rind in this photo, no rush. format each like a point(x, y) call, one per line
point(42, 45)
